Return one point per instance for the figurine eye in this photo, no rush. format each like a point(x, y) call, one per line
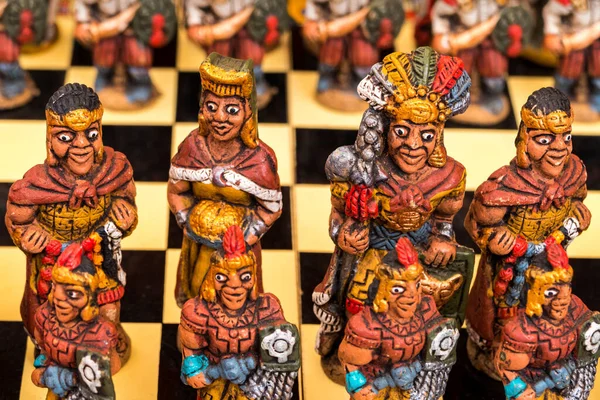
point(246, 277)
point(427, 136)
point(74, 294)
point(212, 107)
point(65, 137)
point(544, 139)
point(418, 285)
point(550, 293)
point(401, 131)
point(233, 110)
point(398, 290)
point(92, 134)
point(221, 278)
point(568, 137)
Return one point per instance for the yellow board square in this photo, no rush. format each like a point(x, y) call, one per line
point(160, 112)
point(12, 270)
point(153, 218)
point(280, 277)
point(58, 55)
point(586, 245)
point(310, 216)
point(171, 312)
point(23, 146)
point(142, 366)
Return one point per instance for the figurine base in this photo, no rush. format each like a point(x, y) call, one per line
point(123, 345)
point(478, 115)
point(31, 91)
point(341, 100)
point(482, 359)
point(333, 368)
point(584, 112)
point(115, 98)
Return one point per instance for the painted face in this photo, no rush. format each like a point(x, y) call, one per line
point(549, 151)
point(233, 288)
point(76, 150)
point(225, 116)
point(410, 144)
point(69, 300)
point(404, 297)
point(556, 301)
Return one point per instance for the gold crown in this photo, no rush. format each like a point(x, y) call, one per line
point(77, 120)
point(226, 76)
point(556, 122)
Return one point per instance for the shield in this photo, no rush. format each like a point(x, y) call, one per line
point(280, 347)
point(588, 345)
point(18, 11)
point(383, 9)
point(155, 22)
point(441, 344)
point(511, 17)
point(263, 9)
point(94, 378)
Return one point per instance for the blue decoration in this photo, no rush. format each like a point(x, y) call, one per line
point(355, 381)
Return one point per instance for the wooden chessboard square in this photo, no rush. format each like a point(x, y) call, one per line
point(280, 277)
point(313, 267)
point(12, 270)
point(311, 216)
point(25, 138)
point(12, 352)
point(159, 112)
point(153, 218)
point(57, 56)
point(143, 300)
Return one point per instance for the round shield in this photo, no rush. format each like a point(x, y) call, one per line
point(25, 20)
point(515, 24)
point(155, 22)
point(263, 9)
point(380, 10)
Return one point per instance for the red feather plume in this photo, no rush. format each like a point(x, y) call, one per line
point(234, 244)
point(557, 256)
point(406, 252)
point(71, 257)
point(448, 71)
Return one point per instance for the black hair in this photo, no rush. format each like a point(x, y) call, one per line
point(109, 265)
point(86, 266)
point(547, 100)
point(73, 96)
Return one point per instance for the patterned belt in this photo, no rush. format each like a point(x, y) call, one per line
point(382, 238)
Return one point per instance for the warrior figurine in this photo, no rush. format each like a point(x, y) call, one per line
point(78, 347)
point(222, 174)
point(518, 211)
point(21, 22)
point(121, 35)
point(396, 181)
point(400, 347)
point(572, 30)
point(550, 349)
point(83, 190)
point(243, 29)
point(235, 341)
point(348, 36)
point(483, 33)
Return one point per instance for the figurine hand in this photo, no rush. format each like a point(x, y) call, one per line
point(353, 237)
point(58, 379)
point(528, 394)
point(583, 215)
point(440, 252)
point(197, 381)
point(405, 375)
point(365, 393)
point(85, 34)
point(403, 197)
point(34, 239)
point(237, 370)
point(311, 32)
point(203, 35)
point(554, 44)
point(502, 241)
point(123, 214)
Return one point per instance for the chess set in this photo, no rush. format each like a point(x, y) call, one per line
point(303, 126)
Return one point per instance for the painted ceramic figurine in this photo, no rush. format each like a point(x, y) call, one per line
point(349, 35)
point(243, 29)
point(572, 30)
point(222, 174)
point(235, 341)
point(396, 181)
point(400, 347)
point(518, 211)
point(550, 349)
point(21, 22)
point(483, 33)
point(78, 347)
point(121, 35)
point(83, 190)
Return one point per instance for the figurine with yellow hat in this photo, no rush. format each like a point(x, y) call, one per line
point(222, 174)
point(396, 181)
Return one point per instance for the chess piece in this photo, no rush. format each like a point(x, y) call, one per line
point(396, 181)
point(21, 22)
point(484, 34)
point(243, 29)
point(122, 36)
point(78, 347)
point(550, 349)
point(222, 174)
point(83, 189)
point(535, 200)
point(358, 28)
point(400, 347)
point(571, 31)
point(235, 341)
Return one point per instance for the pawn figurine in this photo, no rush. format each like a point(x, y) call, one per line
point(400, 347)
point(348, 36)
point(550, 349)
point(78, 347)
point(235, 341)
point(121, 36)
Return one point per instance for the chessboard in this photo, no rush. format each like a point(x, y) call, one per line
point(297, 248)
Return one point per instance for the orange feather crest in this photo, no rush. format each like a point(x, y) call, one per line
point(406, 252)
point(71, 257)
point(234, 244)
point(557, 256)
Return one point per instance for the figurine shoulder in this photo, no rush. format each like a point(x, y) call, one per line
point(340, 163)
point(42, 315)
point(194, 315)
point(266, 152)
point(362, 330)
point(578, 310)
point(444, 7)
point(493, 182)
point(269, 307)
point(519, 335)
point(104, 332)
point(428, 309)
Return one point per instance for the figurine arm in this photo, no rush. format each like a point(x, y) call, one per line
point(580, 210)
point(442, 246)
point(352, 358)
point(553, 13)
point(123, 211)
point(24, 229)
point(83, 11)
point(485, 224)
point(181, 199)
point(263, 219)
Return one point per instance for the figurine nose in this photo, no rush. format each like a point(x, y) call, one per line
point(234, 281)
point(413, 140)
point(81, 140)
point(221, 114)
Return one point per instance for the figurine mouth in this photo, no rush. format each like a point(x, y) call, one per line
point(412, 159)
point(556, 160)
point(234, 296)
point(80, 158)
point(222, 129)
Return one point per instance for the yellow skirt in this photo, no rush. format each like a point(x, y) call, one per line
point(222, 390)
point(393, 394)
